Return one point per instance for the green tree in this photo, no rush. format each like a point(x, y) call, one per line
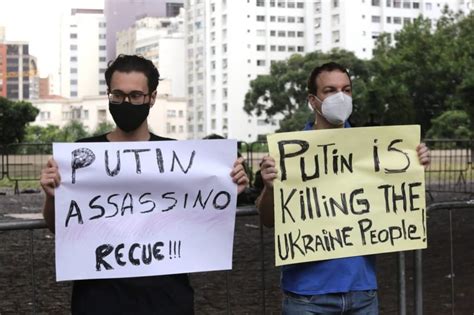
point(453, 124)
point(102, 128)
point(14, 117)
point(283, 91)
point(72, 131)
point(425, 73)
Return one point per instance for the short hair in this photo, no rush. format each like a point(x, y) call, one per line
point(328, 67)
point(130, 63)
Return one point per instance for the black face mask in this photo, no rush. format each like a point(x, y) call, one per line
point(129, 117)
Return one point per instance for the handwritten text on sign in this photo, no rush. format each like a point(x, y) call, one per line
point(347, 192)
point(128, 209)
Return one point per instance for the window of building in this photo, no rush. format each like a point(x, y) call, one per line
point(300, 34)
point(73, 47)
point(272, 48)
point(260, 3)
point(290, 4)
point(376, 3)
point(272, 18)
point(102, 82)
point(261, 62)
point(406, 20)
point(397, 20)
point(375, 18)
point(335, 37)
point(281, 34)
point(334, 20)
point(102, 59)
point(375, 35)
point(224, 19)
point(272, 33)
point(73, 93)
point(291, 19)
point(428, 6)
point(389, 19)
point(291, 48)
point(260, 32)
point(225, 107)
point(73, 82)
point(272, 3)
point(300, 48)
point(73, 59)
point(406, 4)
point(260, 18)
point(102, 36)
point(416, 5)
point(281, 19)
point(397, 3)
point(170, 113)
point(281, 48)
point(73, 35)
point(102, 24)
point(73, 70)
point(388, 3)
point(317, 39)
point(335, 3)
point(300, 5)
point(281, 3)
point(291, 33)
point(224, 48)
point(260, 47)
point(102, 47)
point(101, 70)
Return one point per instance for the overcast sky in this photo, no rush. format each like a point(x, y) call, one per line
point(37, 21)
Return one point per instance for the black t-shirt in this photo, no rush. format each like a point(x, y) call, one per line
point(169, 294)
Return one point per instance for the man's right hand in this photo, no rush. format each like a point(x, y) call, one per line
point(50, 178)
point(268, 171)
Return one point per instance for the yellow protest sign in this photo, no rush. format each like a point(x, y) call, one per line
point(347, 192)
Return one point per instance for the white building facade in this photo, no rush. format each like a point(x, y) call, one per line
point(83, 54)
point(229, 43)
point(160, 40)
point(167, 117)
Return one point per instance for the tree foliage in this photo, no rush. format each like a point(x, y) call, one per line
point(14, 117)
point(427, 72)
point(71, 132)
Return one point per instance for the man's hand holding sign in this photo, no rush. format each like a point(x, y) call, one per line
point(336, 198)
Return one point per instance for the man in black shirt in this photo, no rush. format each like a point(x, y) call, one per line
point(131, 82)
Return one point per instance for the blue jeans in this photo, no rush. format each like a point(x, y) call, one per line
point(354, 303)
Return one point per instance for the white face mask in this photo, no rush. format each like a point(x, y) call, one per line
point(336, 108)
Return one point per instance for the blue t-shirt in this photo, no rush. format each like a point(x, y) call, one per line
point(330, 276)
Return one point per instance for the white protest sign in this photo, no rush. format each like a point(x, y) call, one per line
point(130, 209)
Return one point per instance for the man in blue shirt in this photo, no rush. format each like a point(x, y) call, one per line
point(335, 286)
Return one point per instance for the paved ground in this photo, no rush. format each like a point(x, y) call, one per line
point(244, 282)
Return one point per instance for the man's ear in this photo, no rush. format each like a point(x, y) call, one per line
point(152, 99)
point(312, 102)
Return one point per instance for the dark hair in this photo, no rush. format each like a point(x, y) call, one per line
point(330, 66)
point(129, 63)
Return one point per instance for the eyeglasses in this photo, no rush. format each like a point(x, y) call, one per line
point(134, 97)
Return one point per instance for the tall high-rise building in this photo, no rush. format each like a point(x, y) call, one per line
point(18, 71)
point(121, 15)
point(160, 39)
point(229, 43)
point(83, 53)
point(355, 25)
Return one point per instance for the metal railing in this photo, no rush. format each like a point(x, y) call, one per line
point(31, 225)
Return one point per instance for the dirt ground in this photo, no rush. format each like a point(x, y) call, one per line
point(245, 289)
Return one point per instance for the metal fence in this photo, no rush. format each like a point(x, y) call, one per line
point(402, 289)
point(451, 169)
